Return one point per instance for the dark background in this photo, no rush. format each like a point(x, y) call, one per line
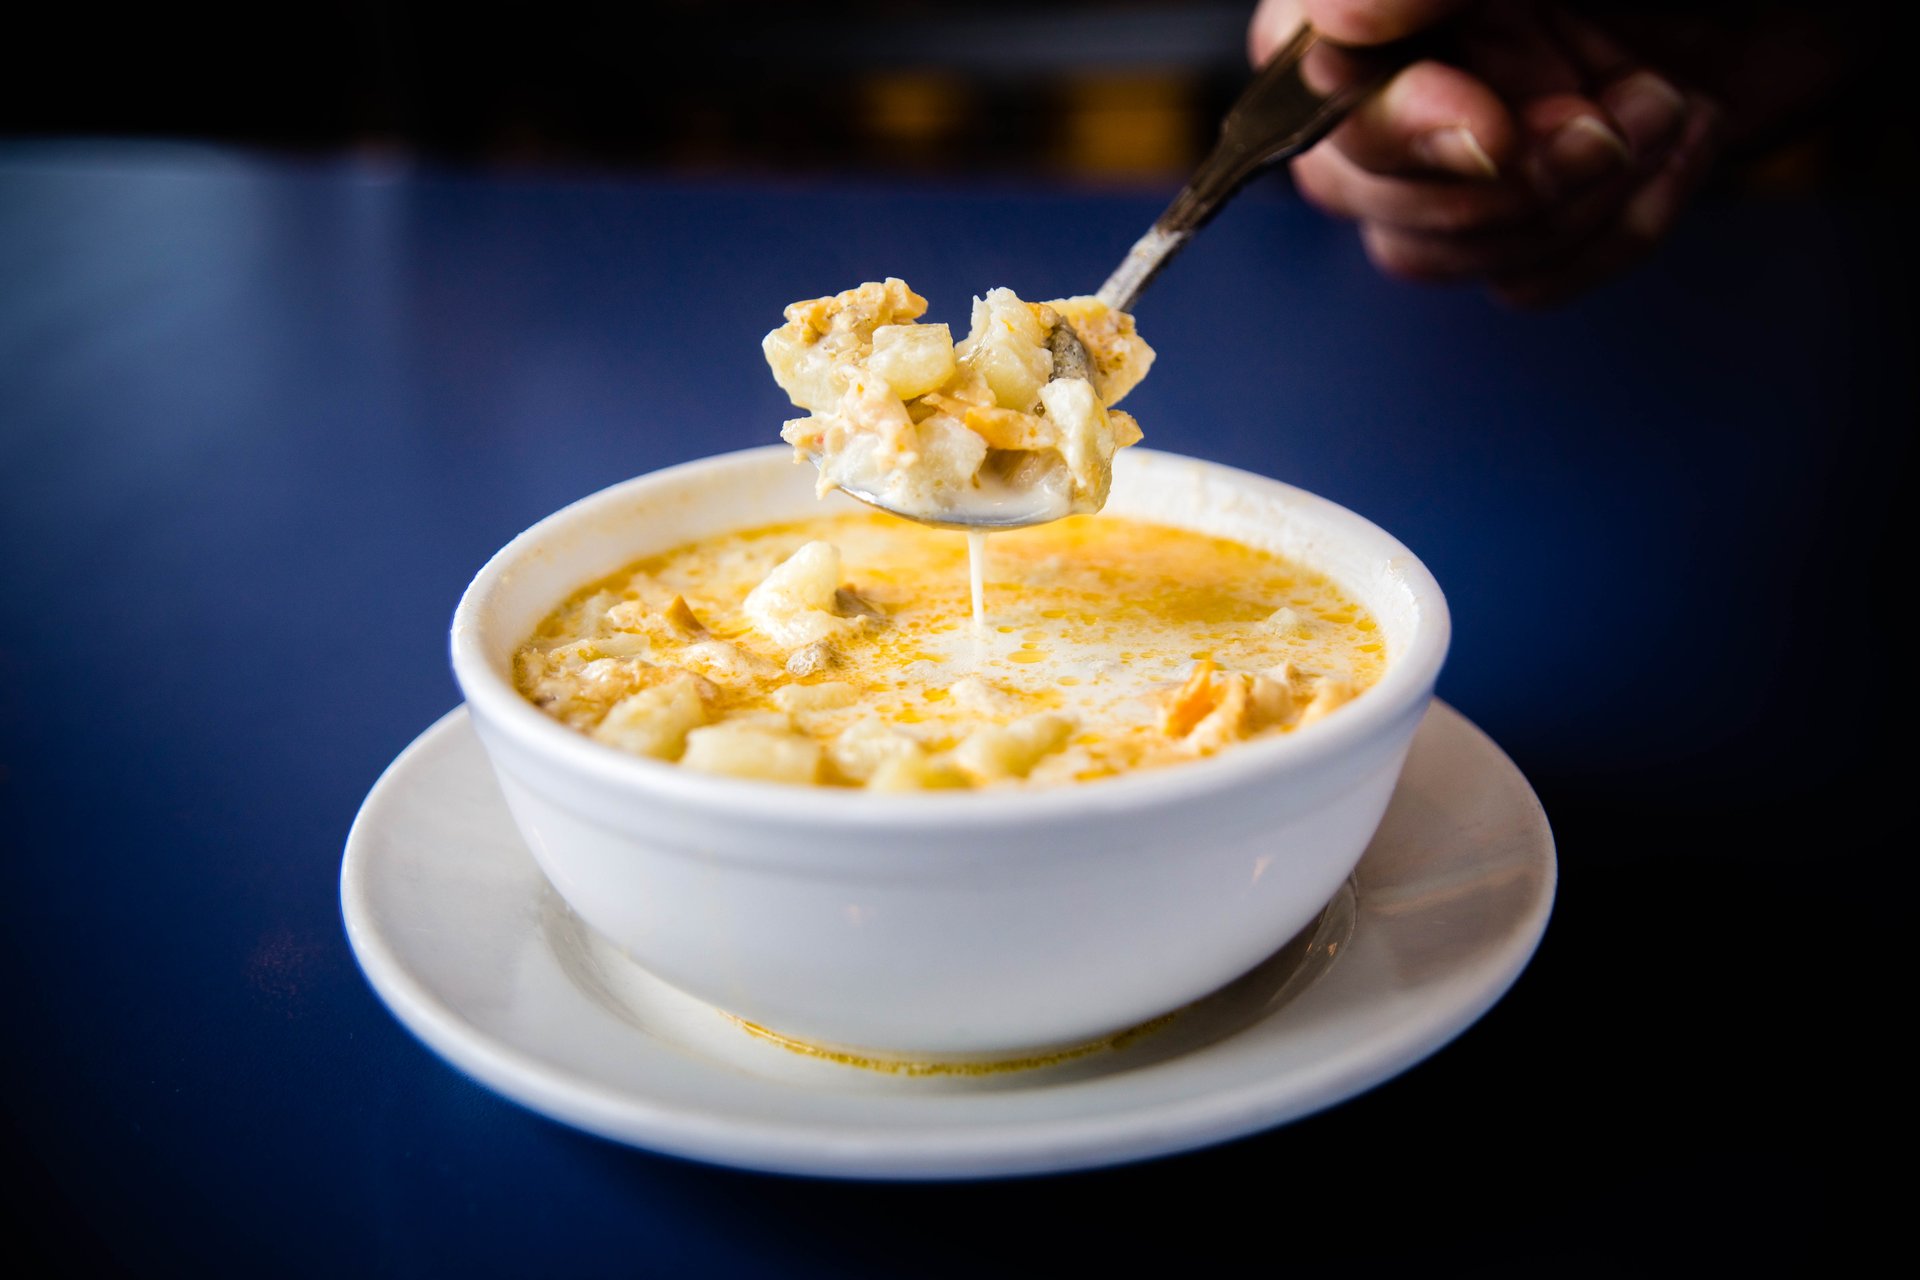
point(1118, 88)
point(1087, 90)
point(1665, 518)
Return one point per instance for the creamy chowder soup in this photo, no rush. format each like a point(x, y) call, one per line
point(842, 651)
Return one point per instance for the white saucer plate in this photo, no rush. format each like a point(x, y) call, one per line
point(458, 932)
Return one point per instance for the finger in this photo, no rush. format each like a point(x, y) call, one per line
point(1431, 119)
point(1651, 113)
point(1572, 143)
point(1335, 185)
point(1643, 222)
point(1650, 215)
point(1377, 21)
point(1630, 117)
point(1273, 24)
point(1646, 111)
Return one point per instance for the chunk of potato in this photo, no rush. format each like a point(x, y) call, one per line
point(655, 722)
point(913, 358)
point(812, 374)
point(1008, 347)
point(859, 750)
point(950, 455)
point(993, 752)
point(764, 752)
point(794, 605)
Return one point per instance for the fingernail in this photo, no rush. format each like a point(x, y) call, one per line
point(1582, 151)
point(1647, 109)
point(1455, 149)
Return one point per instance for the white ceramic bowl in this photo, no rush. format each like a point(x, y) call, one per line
point(948, 924)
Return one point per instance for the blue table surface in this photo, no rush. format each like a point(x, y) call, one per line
point(261, 420)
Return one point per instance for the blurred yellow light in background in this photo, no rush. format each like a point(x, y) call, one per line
point(914, 109)
point(1127, 124)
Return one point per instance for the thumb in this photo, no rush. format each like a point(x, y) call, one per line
point(1273, 24)
point(1375, 21)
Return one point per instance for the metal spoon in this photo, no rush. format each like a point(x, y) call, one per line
point(1294, 101)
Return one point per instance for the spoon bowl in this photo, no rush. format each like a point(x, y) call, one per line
point(986, 509)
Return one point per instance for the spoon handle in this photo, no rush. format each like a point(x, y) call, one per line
point(1294, 101)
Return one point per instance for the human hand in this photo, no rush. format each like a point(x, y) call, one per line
point(1534, 153)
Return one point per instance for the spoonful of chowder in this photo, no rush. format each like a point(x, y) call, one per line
point(1011, 426)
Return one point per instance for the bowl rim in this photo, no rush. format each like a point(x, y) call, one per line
point(1404, 687)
